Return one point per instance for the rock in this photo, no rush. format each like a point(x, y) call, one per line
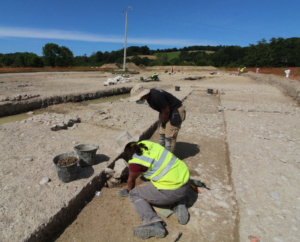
point(29, 159)
point(55, 127)
point(120, 169)
point(220, 109)
point(283, 160)
point(113, 182)
point(45, 180)
point(275, 195)
point(74, 126)
point(62, 125)
point(223, 204)
point(109, 172)
point(212, 214)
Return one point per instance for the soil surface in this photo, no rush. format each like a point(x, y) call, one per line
point(66, 161)
point(243, 142)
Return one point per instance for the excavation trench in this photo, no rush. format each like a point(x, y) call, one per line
point(17, 107)
point(61, 220)
point(206, 154)
point(22, 116)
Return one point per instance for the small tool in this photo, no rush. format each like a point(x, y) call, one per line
point(178, 237)
point(195, 188)
point(199, 184)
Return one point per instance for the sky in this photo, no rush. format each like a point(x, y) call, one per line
point(88, 26)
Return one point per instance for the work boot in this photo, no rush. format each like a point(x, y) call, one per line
point(152, 230)
point(181, 212)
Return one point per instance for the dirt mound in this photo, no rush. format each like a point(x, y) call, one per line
point(114, 66)
point(129, 66)
point(132, 66)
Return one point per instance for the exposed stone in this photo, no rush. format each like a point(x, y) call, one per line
point(113, 182)
point(120, 169)
point(45, 180)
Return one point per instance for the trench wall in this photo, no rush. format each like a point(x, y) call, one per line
point(16, 107)
point(288, 86)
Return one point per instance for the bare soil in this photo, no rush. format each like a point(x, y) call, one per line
point(243, 142)
point(66, 161)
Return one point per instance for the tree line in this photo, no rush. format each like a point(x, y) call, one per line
point(278, 52)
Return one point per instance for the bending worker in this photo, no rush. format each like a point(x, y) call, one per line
point(155, 77)
point(242, 70)
point(171, 112)
point(168, 183)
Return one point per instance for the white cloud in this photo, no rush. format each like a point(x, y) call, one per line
point(80, 36)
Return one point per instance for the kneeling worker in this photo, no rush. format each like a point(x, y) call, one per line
point(170, 108)
point(168, 183)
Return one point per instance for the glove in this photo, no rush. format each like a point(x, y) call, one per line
point(163, 125)
point(123, 193)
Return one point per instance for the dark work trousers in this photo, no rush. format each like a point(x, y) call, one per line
point(146, 194)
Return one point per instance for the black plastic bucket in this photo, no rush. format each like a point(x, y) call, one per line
point(177, 88)
point(210, 91)
point(66, 173)
point(86, 153)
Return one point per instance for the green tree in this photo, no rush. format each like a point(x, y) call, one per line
point(162, 59)
point(263, 53)
point(19, 60)
point(184, 56)
point(292, 46)
point(65, 57)
point(251, 58)
point(81, 60)
point(51, 53)
point(278, 52)
point(34, 60)
point(57, 56)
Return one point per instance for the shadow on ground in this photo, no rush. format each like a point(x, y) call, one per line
point(88, 171)
point(185, 150)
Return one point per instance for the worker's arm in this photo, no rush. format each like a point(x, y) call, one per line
point(131, 179)
point(165, 112)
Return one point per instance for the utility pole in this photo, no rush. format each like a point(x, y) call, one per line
point(124, 62)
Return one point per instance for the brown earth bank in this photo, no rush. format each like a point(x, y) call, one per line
point(243, 143)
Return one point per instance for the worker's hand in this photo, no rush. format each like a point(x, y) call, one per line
point(123, 193)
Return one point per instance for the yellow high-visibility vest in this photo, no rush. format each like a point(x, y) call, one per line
point(165, 170)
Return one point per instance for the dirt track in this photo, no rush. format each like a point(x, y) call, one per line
point(244, 143)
